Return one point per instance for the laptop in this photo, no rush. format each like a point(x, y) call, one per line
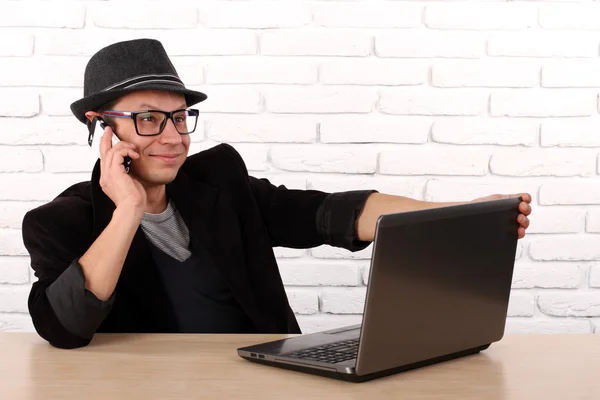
point(438, 289)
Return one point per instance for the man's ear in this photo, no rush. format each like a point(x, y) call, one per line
point(90, 115)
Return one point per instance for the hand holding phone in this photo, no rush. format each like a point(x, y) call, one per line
point(123, 189)
point(96, 131)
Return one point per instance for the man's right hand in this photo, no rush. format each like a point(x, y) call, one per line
point(122, 189)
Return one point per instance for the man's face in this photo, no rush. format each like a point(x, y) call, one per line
point(161, 156)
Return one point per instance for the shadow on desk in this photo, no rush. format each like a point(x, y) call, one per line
point(194, 366)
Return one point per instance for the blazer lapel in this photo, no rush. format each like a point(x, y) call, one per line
point(214, 226)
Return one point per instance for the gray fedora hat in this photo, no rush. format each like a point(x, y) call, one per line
point(125, 67)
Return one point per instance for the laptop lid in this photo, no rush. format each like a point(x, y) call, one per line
point(439, 283)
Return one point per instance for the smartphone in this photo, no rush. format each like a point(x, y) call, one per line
point(96, 131)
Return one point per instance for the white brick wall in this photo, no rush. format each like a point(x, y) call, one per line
point(435, 100)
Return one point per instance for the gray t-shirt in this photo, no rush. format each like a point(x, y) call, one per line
point(168, 232)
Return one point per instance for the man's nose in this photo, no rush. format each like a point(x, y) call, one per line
point(170, 134)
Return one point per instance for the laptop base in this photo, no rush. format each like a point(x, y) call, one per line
point(363, 378)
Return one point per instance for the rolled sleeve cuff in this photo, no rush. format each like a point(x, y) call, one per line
point(77, 309)
point(337, 215)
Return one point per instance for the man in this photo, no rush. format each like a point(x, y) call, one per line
point(177, 244)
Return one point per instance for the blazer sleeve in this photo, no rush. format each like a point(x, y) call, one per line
point(307, 218)
point(63, 312)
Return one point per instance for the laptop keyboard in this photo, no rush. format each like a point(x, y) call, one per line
point(331, 353)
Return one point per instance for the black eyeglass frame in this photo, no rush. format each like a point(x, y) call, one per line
point(168, 116)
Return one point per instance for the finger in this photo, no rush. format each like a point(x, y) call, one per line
point(526, 197)
point(524, 208)
point(120, 153)
point(116, 148)
point(524, 221)
point(106, 142)
point(521, 233)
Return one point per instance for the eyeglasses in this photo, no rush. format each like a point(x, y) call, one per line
point(153, 122)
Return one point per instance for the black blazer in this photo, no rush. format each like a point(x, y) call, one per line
point(237, 218)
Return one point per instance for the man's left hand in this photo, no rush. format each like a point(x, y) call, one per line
point(524, 207)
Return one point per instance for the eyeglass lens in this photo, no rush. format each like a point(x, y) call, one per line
point(150, 123)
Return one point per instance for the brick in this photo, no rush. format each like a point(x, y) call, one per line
point(57, 102)
point(18, 103)
point(320, 100)
point(262, 129)
point(211, 42)
point(529, 275)
point(42, 14)
point(595, 277)
point(475, 16)
point(372, 15)
point(553, 326)
point(399, 186)
point(11, 244)
point(570, 304)
point(16, 45)
point(223, 99)
point(569, 193)
point(573, 16)
point(596, 326)
point(315, 158)
point(593, 221)
point(315, 43)
point(470, 131)
point(190, 69)
point(565, 248)
point(543, 103)
point(433, 161)
point(374, 72)
point(82, 43)
point(430, 44)
point(570, 133)
point(12, 213)
point(322, 322)
point(42, 130)
point(303, 301)
point(21, 160)
point(14, 270)
point(199, 146)
point(374, 129)
point(16, 323)
point(521, 304)
point(69, 159)
point(546, 162)
point(485, 73)
point(242, 70)
point(330, 252)
point(37, 187)
point(13, 298)
point(343, 300)
point(44, 72)
point(134, 16)
point(255, 15)
point(312, 273)
point(285, 252)
point(254, 155)
point(543, 44)
point(207, 42)
point(459, 102)
point(569, 74)
point(557, 220)
point(448, 190)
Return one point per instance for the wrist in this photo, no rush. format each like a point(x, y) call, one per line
point(129, 211)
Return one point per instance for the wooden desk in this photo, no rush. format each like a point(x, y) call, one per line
point(565, 367)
